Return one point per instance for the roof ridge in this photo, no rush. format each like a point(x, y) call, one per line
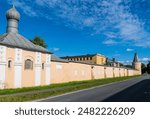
point(17, 40)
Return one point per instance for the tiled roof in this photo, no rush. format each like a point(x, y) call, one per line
point(57, 59)
point(135, 58)
point(87, 55)
point(16, 40)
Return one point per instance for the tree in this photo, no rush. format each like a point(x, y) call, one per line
point(128, 66)
point(144, 68)
point(148, 67)
point(37, 40)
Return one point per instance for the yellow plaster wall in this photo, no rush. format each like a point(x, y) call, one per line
point(61, 72)
point(98, 72)
point(28, 77)
point(78, 72)
point(69, 72)
point(100, 59)
point(10, 55)
point(109, 72)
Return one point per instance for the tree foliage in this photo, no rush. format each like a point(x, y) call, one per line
point(148, 67)
point(145, 68)
point(37, 40)
point(128, 66)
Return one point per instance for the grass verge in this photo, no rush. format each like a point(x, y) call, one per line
point(33, 93)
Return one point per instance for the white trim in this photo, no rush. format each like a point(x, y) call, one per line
point(2, 53)
point(38, 58)
point(2, 73)
point(37, 76)
point(2, 64)
point(48, 58)
point(18, 55)
point(58, 66)
point(48, 72)
point(38, 68)
point(18, 68)
point(18, 76)
point(48, 75)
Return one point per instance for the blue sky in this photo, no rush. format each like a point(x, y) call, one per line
point(114, 28)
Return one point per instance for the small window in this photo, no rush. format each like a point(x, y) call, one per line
point(87, 58)
point(43, 66)
point(28, 64)
point(90, 58)
point(9, 64)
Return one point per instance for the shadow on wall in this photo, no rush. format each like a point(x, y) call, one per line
point(139, 92)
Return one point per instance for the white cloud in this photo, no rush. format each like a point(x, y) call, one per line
point(109, 42)
point(128, 62)
point(56, 49)
point(108, 17)
point(26, 8)
point(122, 62)
point(145, 59)
point(129, 50)
point(88, 22)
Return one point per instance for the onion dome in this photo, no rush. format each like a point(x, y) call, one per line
point(13, 14)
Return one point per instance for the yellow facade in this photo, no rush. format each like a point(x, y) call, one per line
point(15, 75)
point(90, 58)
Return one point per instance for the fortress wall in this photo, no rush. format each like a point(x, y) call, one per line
point(109, 72)
point(126, 72)
point(58, 72)
point(67, 72)
point(98, 72)
point(116, 72)
point(131, 72)
point(137, 72)
point(79, 72)
point(122, 72)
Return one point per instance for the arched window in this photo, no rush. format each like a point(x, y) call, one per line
point(9, 64)
point(28, 64)
point(43, 66)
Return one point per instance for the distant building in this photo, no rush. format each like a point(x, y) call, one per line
point(113, 62)
point(89, 58)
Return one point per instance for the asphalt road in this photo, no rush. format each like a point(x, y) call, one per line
point(137, 89)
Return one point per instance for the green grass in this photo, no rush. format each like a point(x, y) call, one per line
point(33, 93)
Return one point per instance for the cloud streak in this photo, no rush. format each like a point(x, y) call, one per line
point(109, 42)
point(145, 59)
point(129, 50)
point(111, 18)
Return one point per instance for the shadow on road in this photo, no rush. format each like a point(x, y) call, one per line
point(139, 92)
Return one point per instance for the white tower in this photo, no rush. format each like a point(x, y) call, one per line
point(13, 18)
point(136, 64)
